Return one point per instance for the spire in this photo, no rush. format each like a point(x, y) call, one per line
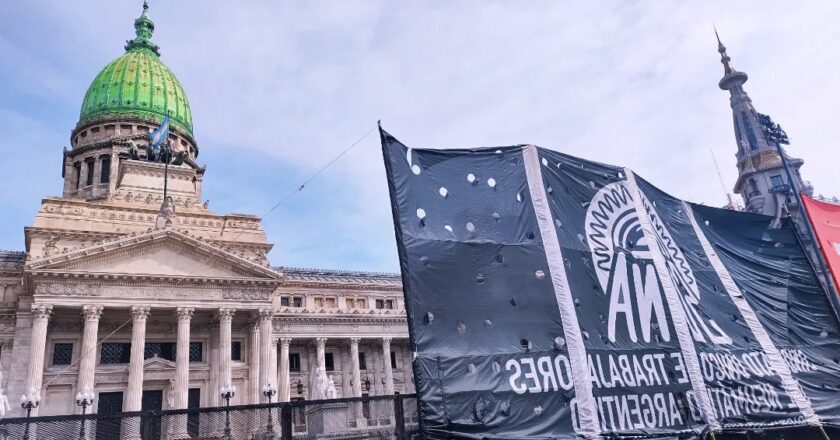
point(732, 79)
point(143, 29)
point(724, 58)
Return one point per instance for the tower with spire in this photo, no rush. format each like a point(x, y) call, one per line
point(762, 181)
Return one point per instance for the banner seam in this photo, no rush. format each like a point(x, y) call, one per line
point(773, 354)
point(684, 336)
point(587, 411)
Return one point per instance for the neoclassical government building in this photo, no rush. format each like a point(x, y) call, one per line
point(151, 309)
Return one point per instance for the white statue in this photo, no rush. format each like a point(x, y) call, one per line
point(321, 383)
point(4, 404)
point(331, 392)
point(170, 394)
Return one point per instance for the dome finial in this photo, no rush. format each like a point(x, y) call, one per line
point(143, 29)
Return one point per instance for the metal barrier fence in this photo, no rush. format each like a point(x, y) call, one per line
point(380, 417)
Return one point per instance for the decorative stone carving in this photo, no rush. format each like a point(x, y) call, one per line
point(140, 313)
point(42, 311)
point(92, 312)
point(226, 313)
point(184, 313)
point(68, 289)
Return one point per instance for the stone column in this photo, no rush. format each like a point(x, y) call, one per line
point(356, 372)
point(134, 391)
point(182, 356)
point(265, 347)
point(254, 363)
point(272, 361)
point(213, 360)
point(40, 317)
point(284, 380)
point(389, 372)
point(87, 364)
point(225, 321)
point(321, 355)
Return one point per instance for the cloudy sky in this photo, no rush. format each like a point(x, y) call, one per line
point(278, 88)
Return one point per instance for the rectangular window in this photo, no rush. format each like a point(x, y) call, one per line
point(115, 353)
point(777, 181)
point(362, 362)
point(236, 351)
point(361, 304)
point(294, 361)
point(284, 301)
point(89, 178)
point(62, 354)
point(197, 351)
point(163, 350)
point(329, 303)
point(350, 303)
point(105, 177)
point(380, 304)
point(393, 359)
point(297, 301)
point(329, 361)
point(319, 302)
point(389, 304)
point(77, 174)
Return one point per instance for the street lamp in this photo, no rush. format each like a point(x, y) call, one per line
point(269, 390)
point(29, 401)
point(228, 391)
point(84, 399)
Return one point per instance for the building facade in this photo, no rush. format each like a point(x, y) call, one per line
point(156, 302)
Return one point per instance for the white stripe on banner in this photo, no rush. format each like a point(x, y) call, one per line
point(774, 357)
point(586, 409)
point(686, 340)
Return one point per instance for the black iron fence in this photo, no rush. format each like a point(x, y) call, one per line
point(381, 417)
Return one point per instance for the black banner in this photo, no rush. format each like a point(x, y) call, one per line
point(553, 297)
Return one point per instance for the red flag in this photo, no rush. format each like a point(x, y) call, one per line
point(825, 218)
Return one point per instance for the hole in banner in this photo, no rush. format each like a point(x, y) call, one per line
point(496, 216)
point(461, 327)
point(443, 192)
point(525, 344)
point(491, 182)
point(421, 213)
point(559, 343)
point(425, 260)
point(470, 227)
point(471, 178)
point(496, 367)
point(539, 274)
point(488, 323)
point(429, 317)
point(479, 279)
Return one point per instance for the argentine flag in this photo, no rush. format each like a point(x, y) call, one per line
point(160, 133)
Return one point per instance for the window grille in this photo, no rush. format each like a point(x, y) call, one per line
point(115, 353)
point(62, 354)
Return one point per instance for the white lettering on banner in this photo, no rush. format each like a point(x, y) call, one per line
point(620, 250)
point(658, 409)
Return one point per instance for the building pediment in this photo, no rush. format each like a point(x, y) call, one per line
point(155, 253)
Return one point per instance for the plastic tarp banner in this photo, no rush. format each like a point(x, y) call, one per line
point(553, 297)
point(825, 219)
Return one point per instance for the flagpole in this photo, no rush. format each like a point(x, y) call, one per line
point(166, 159)
point(807, 221)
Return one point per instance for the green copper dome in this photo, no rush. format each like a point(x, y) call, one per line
point(138, 84)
